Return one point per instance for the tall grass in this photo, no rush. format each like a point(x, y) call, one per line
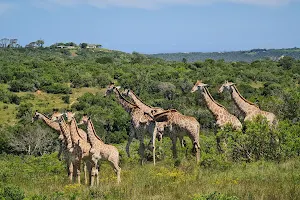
point(45, 177)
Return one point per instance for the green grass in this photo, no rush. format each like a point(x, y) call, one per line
point(42, 102)
point(46, 177)
point(7, 113)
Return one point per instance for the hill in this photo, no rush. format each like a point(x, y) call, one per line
point(246, 56)
point(257, 162)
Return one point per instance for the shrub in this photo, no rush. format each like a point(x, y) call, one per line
point(8, 97)
point(104, 60)
point(256, 143)
point(58, 88)
point(66, 99)
point(12, 192)
point(24, 109)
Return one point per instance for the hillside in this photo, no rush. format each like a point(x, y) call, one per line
point(258, 162)
point(247, 56)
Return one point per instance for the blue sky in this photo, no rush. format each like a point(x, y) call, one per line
point(154, 26)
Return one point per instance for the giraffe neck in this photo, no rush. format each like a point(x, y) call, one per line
point(215, 108)
point(49, 122)
point(243, 104)
point(65, 129)
point(93, 137)
point(124, 103)
point(74, 132)
point(139, 102)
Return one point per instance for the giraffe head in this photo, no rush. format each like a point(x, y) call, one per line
point(226, 86)
point(69, 114)
point(36, 116)
point(56, 116)
point(126, 92)
point(84, 119)
point(110, 89)
point(199, 85)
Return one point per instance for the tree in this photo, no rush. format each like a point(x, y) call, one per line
point(83, 45)
point(31, 45)
point(184, 60)
point(33, 140)
point(40, 43)
point(98, 45)
point(286, 62)
point(4, 42)
point(13, 42)
point(71, 44)
point(137, 57)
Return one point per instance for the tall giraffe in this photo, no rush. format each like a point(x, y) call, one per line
point(65, 129)
point(220, 113)
point(81, 148)
point(139, 121)
point(179, 125)
point(101, 151)
point(249, 109)
point(146, 108)
point(159, 126)
point(53, 125)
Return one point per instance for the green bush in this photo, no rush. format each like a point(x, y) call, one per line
point(24, 109)
point(104, 60)
point(256, 143)
point(58, 88)
point(12, 192)
point(9, 97)
point(66, 99)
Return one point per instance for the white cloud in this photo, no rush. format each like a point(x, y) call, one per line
point(4, 7)
point(148, 4)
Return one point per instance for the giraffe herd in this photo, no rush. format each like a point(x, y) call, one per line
point(80, 147)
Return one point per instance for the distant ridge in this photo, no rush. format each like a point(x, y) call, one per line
point(246, 56)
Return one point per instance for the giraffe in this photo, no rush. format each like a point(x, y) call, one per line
point(100, 151)
point(81, 148)
point(146, 108)
point(139, 121)
point(159, 126)
point(179, 125)
point(53, 125)
point(249, 109)
point(220, 113)
point(64, 142)
point(65, 130)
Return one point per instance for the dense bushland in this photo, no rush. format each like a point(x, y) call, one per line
point(244, 169)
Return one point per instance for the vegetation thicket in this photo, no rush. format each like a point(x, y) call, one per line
point(257, 162)
point(246, 56)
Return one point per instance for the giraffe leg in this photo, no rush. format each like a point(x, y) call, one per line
point(75, 171)
point(218, 139)
point(197, 148)
point(78, 168)
point(85, 172)
point(130, 138)
point(183, 144)
point(117, 169)
point(89, 172)
point(70, 171)
point(153, 144)
point(97, 174)
point(142, 149)
point(93, 173)
point(174, 140)
point(60, 152)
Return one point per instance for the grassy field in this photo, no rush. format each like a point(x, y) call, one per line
point(45, 178)
point(42, 102)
